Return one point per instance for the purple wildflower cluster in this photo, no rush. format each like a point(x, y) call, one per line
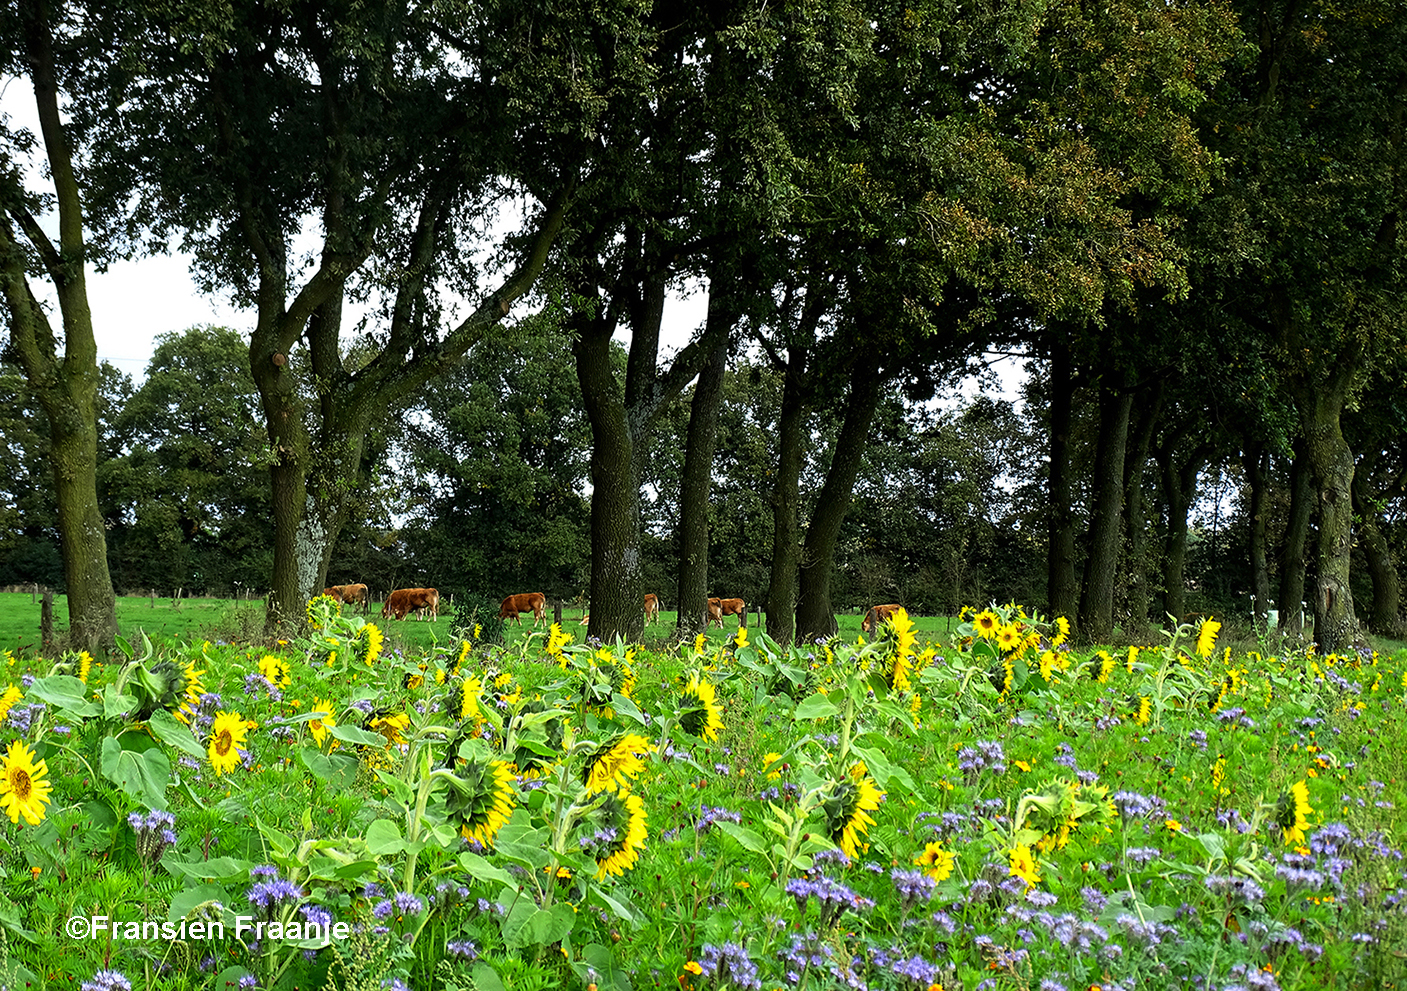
point(154, 833)
point(832, 896)
point(913, 887)
point(255, 683)
point(267, 895)
point(1132, 805)
point(988, 755)
point(729, 964)
point(106, 980)
point(22, 717)
point(708, 815)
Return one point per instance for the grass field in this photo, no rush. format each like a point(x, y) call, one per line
point(240, 621)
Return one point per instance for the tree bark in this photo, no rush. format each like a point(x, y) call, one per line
point(1061, 586)
point(1135, 517)
point(786, 526)
point(1101, 565)
point(1257, 466)
point(1331, 462)
point(1385, 617)
point(1180, 489)
point(815, 617)
point(692, 590)
point(66, 387)
point(1292, 549)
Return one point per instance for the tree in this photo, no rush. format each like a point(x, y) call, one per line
point(395, 133)
point(189, 498)
point(61, 369)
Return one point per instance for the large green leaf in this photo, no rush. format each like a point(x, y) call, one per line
point(143, 776)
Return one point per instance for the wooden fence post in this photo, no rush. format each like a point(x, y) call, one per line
point(46, 620)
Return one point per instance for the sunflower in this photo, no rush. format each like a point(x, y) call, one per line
point(938, 861)
point(620, 835)
point(1009, 637)
point(986, 623)
point(1292, 813)
point(1206, 637)
point(1021, 863)
point(322, 710)
point(464, 649)
point(557, 638)
point(7, 701)
point(1104, 668)
point(85, 665)
point(481, 799)
point(1062, 631)
point(699, 714)
point(226, 735)
point(23, 790)
point(768, 759)
point(390, 727)
point(469, 691)
point(275, 670)
point(1142, 709)
point(1048, 666)
point(847, 809)
point(740, 641)
point(367, 646)
point(1132, 658)
point(321, 609)
point(614, 763)
point(900, 629)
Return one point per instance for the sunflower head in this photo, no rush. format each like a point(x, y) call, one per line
point(1292, 813)
point(1206, 637)
point(847, 806)
point(323, 720)
point(937, 862)
point(480, 799)
point(615, 763)
point(23, 788)
point(619, 834)
point(227, 735)
point(367, 645)
point(320, 611)
point(986, 623)
point(1023, 864)
point(699, 714)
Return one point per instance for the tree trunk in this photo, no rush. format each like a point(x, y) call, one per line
point(1257, 465)
point(1061, 586)
point(1292, 550)
point(1102, 562)
point(1385, 618)
point(1137, 567)
point(66, 387)
point(786, 527)
point(1331, 462)
point(1180, 488)
point(815, 618)
point(692, 588)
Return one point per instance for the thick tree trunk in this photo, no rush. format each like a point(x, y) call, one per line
point(815, 618)
point(1101, 564)
point(1292, 549)
point(786, 527)
point(692, 590)
point(66, 386)
point(1257, 466)
point(1331, 461)
point(1180, 489)
point(1137, 567)
point(1385, 617)
point(1061, 586)
point(616, 589)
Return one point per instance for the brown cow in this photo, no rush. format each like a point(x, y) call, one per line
point(356, 595)
point(420, 600)
point(718, 608)
point(533, 602)
point(652, 607)
point(877, 615)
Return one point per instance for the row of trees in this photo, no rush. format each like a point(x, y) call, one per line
point(1177, 209)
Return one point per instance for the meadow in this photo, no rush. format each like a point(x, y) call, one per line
point(973, 805)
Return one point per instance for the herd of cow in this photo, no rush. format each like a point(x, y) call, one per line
point(426, 602)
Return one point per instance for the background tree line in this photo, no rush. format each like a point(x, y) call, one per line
point(1186, 215)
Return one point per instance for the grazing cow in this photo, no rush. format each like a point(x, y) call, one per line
point(355, 595)
point(419, 600)
point(718, 608)
point(533, 602)
point(877, 615)
point(652, 607)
